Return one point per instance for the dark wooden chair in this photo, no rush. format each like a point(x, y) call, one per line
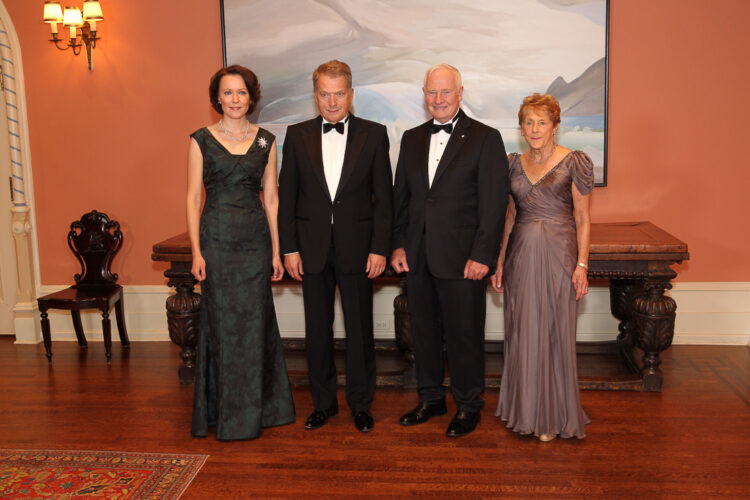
point(94, 241)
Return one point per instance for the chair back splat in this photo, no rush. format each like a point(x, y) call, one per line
point(94, 241)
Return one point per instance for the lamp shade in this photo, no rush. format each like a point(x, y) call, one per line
point(72, 17)
point(52, 12)
point(92, 11)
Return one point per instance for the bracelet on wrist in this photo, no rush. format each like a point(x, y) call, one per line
point(581, 264)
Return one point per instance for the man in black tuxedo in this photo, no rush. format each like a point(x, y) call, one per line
point(450, 198)
point(335, 190)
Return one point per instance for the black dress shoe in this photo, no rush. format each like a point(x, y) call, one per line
point(463, 423)
point(423, 412)
point(363, 421)
point(318, 418)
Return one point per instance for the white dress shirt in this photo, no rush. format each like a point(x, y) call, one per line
point(334, 147)
point(437, 147)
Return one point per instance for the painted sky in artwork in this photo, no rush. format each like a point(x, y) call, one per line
point(505, 49)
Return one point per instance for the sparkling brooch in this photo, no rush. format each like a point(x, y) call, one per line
point(262, 142)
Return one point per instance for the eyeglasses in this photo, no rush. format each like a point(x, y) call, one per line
point(443, 93)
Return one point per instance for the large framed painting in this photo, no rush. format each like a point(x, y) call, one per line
point(505, 50)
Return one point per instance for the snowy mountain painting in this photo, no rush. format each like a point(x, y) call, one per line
point(505, 50)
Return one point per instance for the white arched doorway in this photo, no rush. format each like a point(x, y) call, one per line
point(19, 256)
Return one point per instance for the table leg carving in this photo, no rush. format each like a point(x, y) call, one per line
point(654, 315)
point(183, 318)
point(621, 295)
point(404, 337)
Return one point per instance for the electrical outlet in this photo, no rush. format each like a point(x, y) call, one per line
point(382, 324)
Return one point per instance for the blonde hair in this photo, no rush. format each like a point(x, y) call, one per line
point(542, 102)
point(333, 69)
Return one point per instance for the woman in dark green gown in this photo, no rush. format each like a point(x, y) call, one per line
point(241, 384)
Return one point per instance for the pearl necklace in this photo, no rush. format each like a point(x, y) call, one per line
point(247, 127)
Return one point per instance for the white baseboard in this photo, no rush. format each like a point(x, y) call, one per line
point(707, 313)
point(26, 324)
point(712, 313)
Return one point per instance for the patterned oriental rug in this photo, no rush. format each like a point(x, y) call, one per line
point(110, 475)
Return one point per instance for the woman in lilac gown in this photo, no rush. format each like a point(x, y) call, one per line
point(542, 268)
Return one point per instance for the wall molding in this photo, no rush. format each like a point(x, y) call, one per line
point(707, 313)
point(22, 181)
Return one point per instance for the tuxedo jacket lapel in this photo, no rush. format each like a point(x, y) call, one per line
point(313, 144)
point(355, 141)
point(458, 138)
point(423, 146)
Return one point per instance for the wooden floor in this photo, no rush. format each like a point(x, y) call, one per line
point(690, 441)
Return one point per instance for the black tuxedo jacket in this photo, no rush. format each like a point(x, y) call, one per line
point(361, 209)
point(461, 216)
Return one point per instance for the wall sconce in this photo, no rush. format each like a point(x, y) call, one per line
point(73, 19)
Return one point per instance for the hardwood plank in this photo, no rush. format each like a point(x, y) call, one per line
point(688, 441)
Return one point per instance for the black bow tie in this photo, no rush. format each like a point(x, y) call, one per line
point(327, 127)
point(435, 128)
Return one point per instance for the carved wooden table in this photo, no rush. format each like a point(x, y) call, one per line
point(634, 256)
point(183, 308)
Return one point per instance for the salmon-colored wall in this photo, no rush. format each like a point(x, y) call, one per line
point(116, 139)
point(679, 127)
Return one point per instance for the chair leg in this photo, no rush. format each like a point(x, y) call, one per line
point(107, 331)
point(78, 327)
point(46, 336)
point(120, 317)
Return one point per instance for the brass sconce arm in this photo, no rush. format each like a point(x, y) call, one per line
point(87, 38)
point(82, 26)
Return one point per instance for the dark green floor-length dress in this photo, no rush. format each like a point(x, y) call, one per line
point(241, 383)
